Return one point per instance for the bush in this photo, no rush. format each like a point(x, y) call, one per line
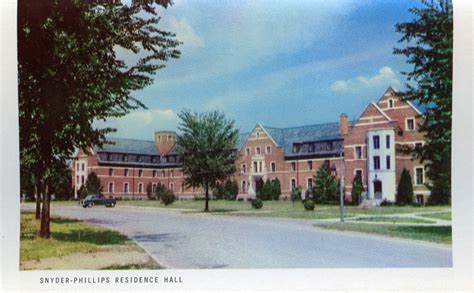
point(149, 191)
point(276, 189)
point(296, 194)
point(357, 189)
point(167, 197)
point(257, 203)
point(160, 189)
point(386, 202)
point(405, 188)
point(308, 205)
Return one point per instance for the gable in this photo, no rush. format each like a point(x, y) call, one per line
point(372, 115)
point(260, 133)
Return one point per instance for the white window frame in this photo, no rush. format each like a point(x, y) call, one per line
point(268, 147)
point(153, 187)
point(273, 163)
point(308, 163)
point(247, 151)
point(423, 174)
point(307, 181)
point(243, 168)
point(293, 169)
point(361, 172)
point(259, 152)
point(140, 186)
point(128, 187)
point(113, 187)
point(355, 152)
point(414, 124)
point(291, 183)
point(392, 103)
point(373, 161)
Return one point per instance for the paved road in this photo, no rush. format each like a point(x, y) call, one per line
point(179, 240)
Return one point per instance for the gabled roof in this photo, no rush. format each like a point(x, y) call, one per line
point(129, 146)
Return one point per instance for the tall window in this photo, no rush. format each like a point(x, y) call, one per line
point(311, 147)
point(163, 173)
point(260, 168)
point(293, 184)
point(78, 165)
point(310, 183)
point(387, 162)
point(387, 141)
point(358, 173)
point(125, 172)
point(244, 168)
point(111, 187)
point(410, 124)
point(376, 140)
point(293, 166)
point(269, 149)
point(125, 187)
point(140, 187)
point(390, 103)
point(247, 151)
point(140, 173)
point(153, 187)
point(419, 176)
point(376, 162)
point(171, 187)
point(273, 166)
point(171, 173)
point(310, 165)
point(358, 152)
point(111, 172)
point(243, 186)
point(154, 173)
point(257, 150)
point(258, 134)
point(255, 167)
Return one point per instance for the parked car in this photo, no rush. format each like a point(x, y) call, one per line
point(97, 199)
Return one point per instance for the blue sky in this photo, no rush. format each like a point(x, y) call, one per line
point(280, 63)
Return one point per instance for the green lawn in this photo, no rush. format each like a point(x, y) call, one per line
point(439, 216)
point(395, 220)
point(68, 237)
point(281, 209)
point(439, 234)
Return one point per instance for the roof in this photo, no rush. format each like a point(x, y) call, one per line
point(286, 137)
point(128, 146)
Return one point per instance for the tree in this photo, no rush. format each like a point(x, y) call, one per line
point(93, 185)
point(276, 189)
point(259, 187)
point(405, 188)
point(218, 191)
point(70, 75)
point(61, 182)
point(267, 190)
point(231, 189)
point(295, 194)
point(206, 147)
point(429, 39)
point(325, 186)
point(357, 189)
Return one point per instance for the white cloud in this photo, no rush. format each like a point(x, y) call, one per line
point(142, 124)
point(385, 77)
point(184, 33)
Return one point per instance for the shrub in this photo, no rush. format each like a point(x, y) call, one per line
point(405, 188)
point(276, 189)
point(386, 202)
point(308, 205)
point(149, 191)
point(326, 189)
point(257, 203)
point(357, 189)
point(167, 197)
point(160, 189)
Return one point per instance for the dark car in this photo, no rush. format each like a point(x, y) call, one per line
point(92, 200)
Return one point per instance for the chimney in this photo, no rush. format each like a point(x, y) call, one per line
point(164, 141)
point(343, 125)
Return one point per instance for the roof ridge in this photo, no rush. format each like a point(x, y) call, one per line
point(301, 126)
point(134, 139)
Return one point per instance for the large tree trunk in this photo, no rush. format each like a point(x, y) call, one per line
point(38, 200)
point(44, 230)
point(206, 209)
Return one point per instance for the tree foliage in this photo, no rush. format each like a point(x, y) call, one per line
point(357, 189)
point(231, 189)
point(70, 75)
point(206, 147)
point(429, 39)
point(326, 189)
point(93, 185)
point(270, 190)
point(405, 188)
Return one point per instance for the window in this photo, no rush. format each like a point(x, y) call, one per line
point(244, 169)
point(310, 165)
point(418, 145)
point(159, 138)
point(311, 147)
point(82, 179)
point(296, 148)
point(310, 183)
point(77, 179)
point(293, 166)
point(376, 162)
point(171, 173)
point(358, 152)
point(410, 126)
point(111, 172)
point(376, 141)
point(125, 158)
point(140, 187)
point(387, 162)
point(125, 187)
point(109, 157)
point(163, 174)
point(269, 149)
point(169, 137)
point(358, 173)
point(273, 166)
point(111, 187)
point(83, 166)
point(77, 166)
point(125, 172)
point(293, 183)
point(182, 187)
point(153, 187)
point(390, 103)
point(247, 151)
point(171, 186)
point(139, 158)
point(258, 135)
point(140, 173)
point(328, 146)
point(260, 167)
point(387, 141)
point(419, 176)
point(257, 150)
point(255, 167)
point(243, 186)
point(154, 173)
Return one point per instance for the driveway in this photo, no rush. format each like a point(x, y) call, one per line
point(181, 241)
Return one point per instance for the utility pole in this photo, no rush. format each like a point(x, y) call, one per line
point(341, 188)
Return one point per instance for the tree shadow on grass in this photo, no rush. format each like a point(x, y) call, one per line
point(64, 221)
point(106, 237)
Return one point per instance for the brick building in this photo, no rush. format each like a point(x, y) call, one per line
point(374, 145)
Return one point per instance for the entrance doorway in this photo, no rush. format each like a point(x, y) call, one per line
point(377, 189)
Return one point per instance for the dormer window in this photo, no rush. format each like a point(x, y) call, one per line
point(109, 157)
point(296, 148)
point(390, 103)
point(139, 158)
point(311, 147)
point(125, 158)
